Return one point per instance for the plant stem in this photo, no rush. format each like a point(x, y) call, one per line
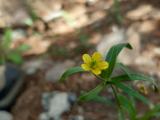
point(106, 81)
point(116, 97)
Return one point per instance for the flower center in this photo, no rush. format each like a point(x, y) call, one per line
point(93, 64)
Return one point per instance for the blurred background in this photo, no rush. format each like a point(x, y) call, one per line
point(40, 39)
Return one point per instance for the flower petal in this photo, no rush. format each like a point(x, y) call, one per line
point(97, 56)
point(103, 65)
point(86, 58)
point(85, 67)
point(96, 71)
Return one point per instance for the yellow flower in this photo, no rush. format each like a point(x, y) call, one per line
point(94, 63)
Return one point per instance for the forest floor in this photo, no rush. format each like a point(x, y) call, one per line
point(56, 42)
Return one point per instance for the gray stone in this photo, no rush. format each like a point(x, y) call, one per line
point(44, 116)
point(12, 13)
point(2, 77)
point(57, 70)
point(30, 67)
point(121, 36)
point(18, 34)
point(58, 105)
point(115, 37)
point(47, 10)
point(13, 77)
point(77, 117)
point(5, 115)
point(55, 104)
point(140, 12)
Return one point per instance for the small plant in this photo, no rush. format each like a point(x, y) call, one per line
point(117, 12)
point(8, 53)
point(123, 93)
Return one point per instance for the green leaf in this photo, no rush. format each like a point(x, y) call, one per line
point(15, 57)
point(151, 113)
point(23, 48)
point(112, 57)
point(131, 92)
point(127, 105)
point(7, 38)
point(103, 100)
point(28, 21)
point(121, 115)
point(70, 72)
point(117, 12)
point(130, 77)
point(91, 95)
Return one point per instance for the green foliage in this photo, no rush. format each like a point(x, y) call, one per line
point(7, 39)
point(102, 99)
point(131, 92)
point(128, 106)
point(117, 11)
point(154, 112)
point(8, 53)
point(112, 57)
point(126, 98)
point(71, 71)
point(92, 93)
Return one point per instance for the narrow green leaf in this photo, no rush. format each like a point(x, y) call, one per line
point(117, 12)
point(15, 57)
point(23, 48)
point(130, 77)
point(92, 94)
point(7, 38)
point(127, 105)
point(28, 21)
point(132, 92)
point(121, 115)
point(151, 113)
point(112, 57)
point(103, 100)
point(70, 72)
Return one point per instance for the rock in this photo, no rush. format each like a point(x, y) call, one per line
point(44, 116)
point(144, 12)
point(18, 34)
point(30, 67)
point(13, 78)
point(55, 104)
point(5, 115)
point(12, 13)
point(133, 37)
point(59, 104)
point(115, 37)
point(37, 45)
point(61, 27)
point(147, 26)
point(47, 10)
point(54, 73)
point(76, 16)
point(2, 77)
point(122, 36)
point(77, 117)
point(140, 13)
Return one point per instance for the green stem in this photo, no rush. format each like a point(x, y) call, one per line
point(117, 100)
point(105, 81)
point(116, 96)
